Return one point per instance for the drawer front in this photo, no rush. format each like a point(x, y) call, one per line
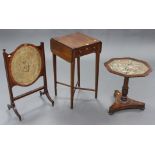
point(86, 50)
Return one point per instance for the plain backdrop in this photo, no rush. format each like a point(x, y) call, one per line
point(80, 139)
point(87, 110)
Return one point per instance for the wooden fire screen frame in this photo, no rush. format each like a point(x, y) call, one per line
point(11, 81)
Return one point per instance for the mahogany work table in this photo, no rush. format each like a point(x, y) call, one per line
point(128, 68)
point(72, 47)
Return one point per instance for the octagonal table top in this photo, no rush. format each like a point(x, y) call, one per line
point(128, 67)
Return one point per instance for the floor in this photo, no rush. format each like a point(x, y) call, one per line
point(87, 110)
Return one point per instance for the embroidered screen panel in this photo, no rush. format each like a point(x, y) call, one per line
point(128, 67)
point(26, 65)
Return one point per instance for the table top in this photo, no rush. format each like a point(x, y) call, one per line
point(76, 40)
point(128, 67)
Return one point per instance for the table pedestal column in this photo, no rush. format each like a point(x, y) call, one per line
point(122, 101)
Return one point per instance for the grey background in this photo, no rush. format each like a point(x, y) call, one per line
point(116, 43)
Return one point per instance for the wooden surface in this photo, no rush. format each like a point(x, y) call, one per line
point(74, 45)
point(123, 105)
point(76, 40)
point(71, 47)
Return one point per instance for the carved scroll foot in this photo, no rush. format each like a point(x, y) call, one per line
point(48, 96)
point(15, 111)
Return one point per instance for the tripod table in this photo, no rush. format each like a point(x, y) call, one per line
point(128, 68)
